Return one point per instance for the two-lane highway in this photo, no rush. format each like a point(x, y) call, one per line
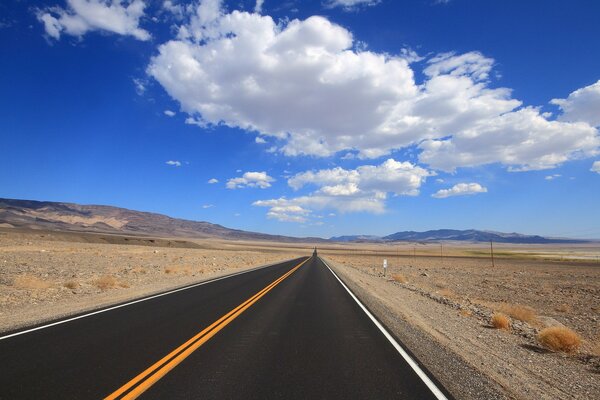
point(289, 331)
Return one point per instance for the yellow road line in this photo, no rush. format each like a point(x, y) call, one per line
point(171, 360)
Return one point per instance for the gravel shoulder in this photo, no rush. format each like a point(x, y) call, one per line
point(454, 340)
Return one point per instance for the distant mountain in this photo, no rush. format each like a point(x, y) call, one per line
point(470, 235)
point(107, 219)
point(356, 238)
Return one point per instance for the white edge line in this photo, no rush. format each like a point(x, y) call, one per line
point(434, 389)
point(139, 300)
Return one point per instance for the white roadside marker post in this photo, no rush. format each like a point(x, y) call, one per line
point(384, 266)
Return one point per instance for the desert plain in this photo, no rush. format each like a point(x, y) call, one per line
point(436, 298)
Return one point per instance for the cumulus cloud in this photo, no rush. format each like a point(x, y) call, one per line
point(212, 181)
point(258, 6)
point(363, 189)
point(583, 105)
point(81, 16)
point(260, 140)
point(251, 180)
point(173, 163)
point(460, 189)
point(245, 70)
point(596, 167)
point(169, 113)
point(552, 177)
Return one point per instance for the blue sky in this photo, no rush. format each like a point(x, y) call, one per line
point(315, 117)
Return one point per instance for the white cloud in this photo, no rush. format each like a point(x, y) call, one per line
point(169, 113)
point(258, 6)
point(582, 105)
point(596, 167)
point(205, 206)
point(251, 180)
point(213, 181)
point(552, 177)
point(363, 189)
point(523, 139)
point(81, 16)
point(173, 163)
point(460, 189)
point(350, 4)
point(260, 140)
point(140, 86)
point(245, 70)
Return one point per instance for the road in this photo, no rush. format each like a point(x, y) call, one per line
point(289, 331)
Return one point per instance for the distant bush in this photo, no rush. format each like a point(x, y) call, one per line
point(30, 282)
point(560, 338)
point(106, 282)
point(71, 284)
point(500, 321)
point(446, 292)
point(563, 308)
point(522, 313)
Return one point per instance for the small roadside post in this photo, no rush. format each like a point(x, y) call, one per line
point(384, 266)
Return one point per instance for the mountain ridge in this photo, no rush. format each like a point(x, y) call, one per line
point(110, 219)
point(466, 235)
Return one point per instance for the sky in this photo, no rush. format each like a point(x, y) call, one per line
point(308, 118)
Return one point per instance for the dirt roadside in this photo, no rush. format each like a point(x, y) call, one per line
point(457, 344)
point(42, 279)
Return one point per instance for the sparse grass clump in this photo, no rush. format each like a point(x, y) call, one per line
point(71, 284)
point(399, 278)
point(560, 338)
point(445, 292)
point(500, 321)
point(31, 282)
point(563, 308)
point(106, 282)
point(178, 270)
point(466, 313)
point(517, 311)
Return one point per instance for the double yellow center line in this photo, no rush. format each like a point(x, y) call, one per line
point(138, 385)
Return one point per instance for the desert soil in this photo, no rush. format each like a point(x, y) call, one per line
point(440, 308)
point(451, 301)
point(44, 276)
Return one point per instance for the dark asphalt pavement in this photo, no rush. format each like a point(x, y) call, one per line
point(304, 339)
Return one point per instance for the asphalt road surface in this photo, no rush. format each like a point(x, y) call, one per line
point(289, 331)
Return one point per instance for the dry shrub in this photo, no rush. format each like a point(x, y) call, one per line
point(466, 313)
point(563, 308)
point(399, 278)
point(138, 270)
point(31, 282)
point(124, 285)
point(106, 282)
point(72, 284)
point(500, 321)
point(170, 270)
point(178, 270)
point(516, 311)
point(446, 292)
point(560, 338)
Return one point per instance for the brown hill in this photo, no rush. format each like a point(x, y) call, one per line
point(107, 219)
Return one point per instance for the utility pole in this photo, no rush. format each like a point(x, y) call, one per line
point(492, 252)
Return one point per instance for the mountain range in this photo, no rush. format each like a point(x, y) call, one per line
point(469, 235)
point(108, 219)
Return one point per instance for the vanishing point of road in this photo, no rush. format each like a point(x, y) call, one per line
point(286, 331)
